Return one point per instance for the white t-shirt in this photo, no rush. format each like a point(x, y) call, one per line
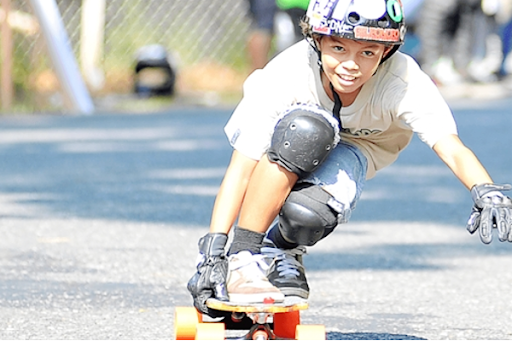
point(397, 101)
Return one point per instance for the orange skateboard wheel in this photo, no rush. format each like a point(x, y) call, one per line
point(285, 323)
point(186, 320)
point(310, 332)
point(210, 331)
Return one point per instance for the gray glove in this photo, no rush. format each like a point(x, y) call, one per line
point(492, 209)
point(212, 268)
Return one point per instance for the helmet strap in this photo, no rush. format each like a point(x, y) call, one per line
point(338, 105)
point(314, 44)
point(390, 53)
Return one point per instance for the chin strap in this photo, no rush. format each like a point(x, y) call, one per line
point(338, 105)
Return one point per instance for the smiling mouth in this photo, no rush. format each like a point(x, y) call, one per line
point(347, 78)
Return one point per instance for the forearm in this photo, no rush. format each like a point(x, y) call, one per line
point(231, 193)
point(469, 170)
point(462, 162)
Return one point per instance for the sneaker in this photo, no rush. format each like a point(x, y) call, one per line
point(247, 282)
point(286, 271)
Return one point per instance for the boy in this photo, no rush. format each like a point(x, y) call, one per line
point(314, 124)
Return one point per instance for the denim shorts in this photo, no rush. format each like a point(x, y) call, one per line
point(343, 175)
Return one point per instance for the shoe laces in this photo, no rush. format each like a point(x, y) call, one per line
point(254, 266)
point(286, 261)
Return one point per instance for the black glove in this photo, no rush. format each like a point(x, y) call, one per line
point(492, 209)
point(212, 269)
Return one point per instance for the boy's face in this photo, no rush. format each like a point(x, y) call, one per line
point(348, 64)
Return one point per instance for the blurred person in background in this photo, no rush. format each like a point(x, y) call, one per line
point(504, 18)
point(412, 45)
point(460, 40)
point(262, 13)
point(411, 10)
point(271, 19)
point(287, 23)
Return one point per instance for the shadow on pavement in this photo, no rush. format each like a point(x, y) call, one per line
point(369, 336)
point(154, 168)
point(400, 257)
point(167, 167)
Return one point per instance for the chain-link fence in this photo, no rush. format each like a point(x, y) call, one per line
point(206, 37)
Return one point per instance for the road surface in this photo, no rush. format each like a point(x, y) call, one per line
point(100, 217)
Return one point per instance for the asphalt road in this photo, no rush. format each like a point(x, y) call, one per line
point(100, 217)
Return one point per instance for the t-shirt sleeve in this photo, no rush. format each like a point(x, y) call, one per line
point(252, 123)
point(423, 109)
point(267, 94)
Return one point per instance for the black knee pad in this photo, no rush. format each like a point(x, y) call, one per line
point(305, 217)
point(302, 140)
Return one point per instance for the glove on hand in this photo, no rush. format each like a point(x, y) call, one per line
point(212, 269)
point(491, 209)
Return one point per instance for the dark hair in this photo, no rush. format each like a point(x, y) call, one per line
point(305, 27)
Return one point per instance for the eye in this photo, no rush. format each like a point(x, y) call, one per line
point(369, 53)
point(338, 48)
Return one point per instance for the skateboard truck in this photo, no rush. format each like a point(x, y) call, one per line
point(261, 329)
point(260, 332)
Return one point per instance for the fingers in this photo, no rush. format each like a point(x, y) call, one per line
point(487, 219)
point(473, 222)
point(486, 222)
point(200, 301)
point(221, 292)
point(218, 280)
point(491, 209)
point(502, 224)
point(192, 284)
point(508, 223)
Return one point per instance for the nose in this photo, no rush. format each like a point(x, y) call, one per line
point(350, 64)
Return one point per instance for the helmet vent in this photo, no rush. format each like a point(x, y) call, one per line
point(353, 18)
point(383, 22)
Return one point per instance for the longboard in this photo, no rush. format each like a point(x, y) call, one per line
point(289, 304)
point(268, 321)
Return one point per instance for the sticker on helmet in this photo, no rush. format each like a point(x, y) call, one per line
point(377, 34)
point(370, 9)
point(395, 10)
point(322, 29)
point(340, 11)
point(337, 26)
point(319, 10)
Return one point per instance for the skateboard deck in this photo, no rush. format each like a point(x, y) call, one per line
point(266, 321)
point(289, 304)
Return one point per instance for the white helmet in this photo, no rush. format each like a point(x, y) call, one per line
point(380, 21)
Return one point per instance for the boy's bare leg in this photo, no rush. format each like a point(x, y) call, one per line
point(269, 187)
point(267, 190)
